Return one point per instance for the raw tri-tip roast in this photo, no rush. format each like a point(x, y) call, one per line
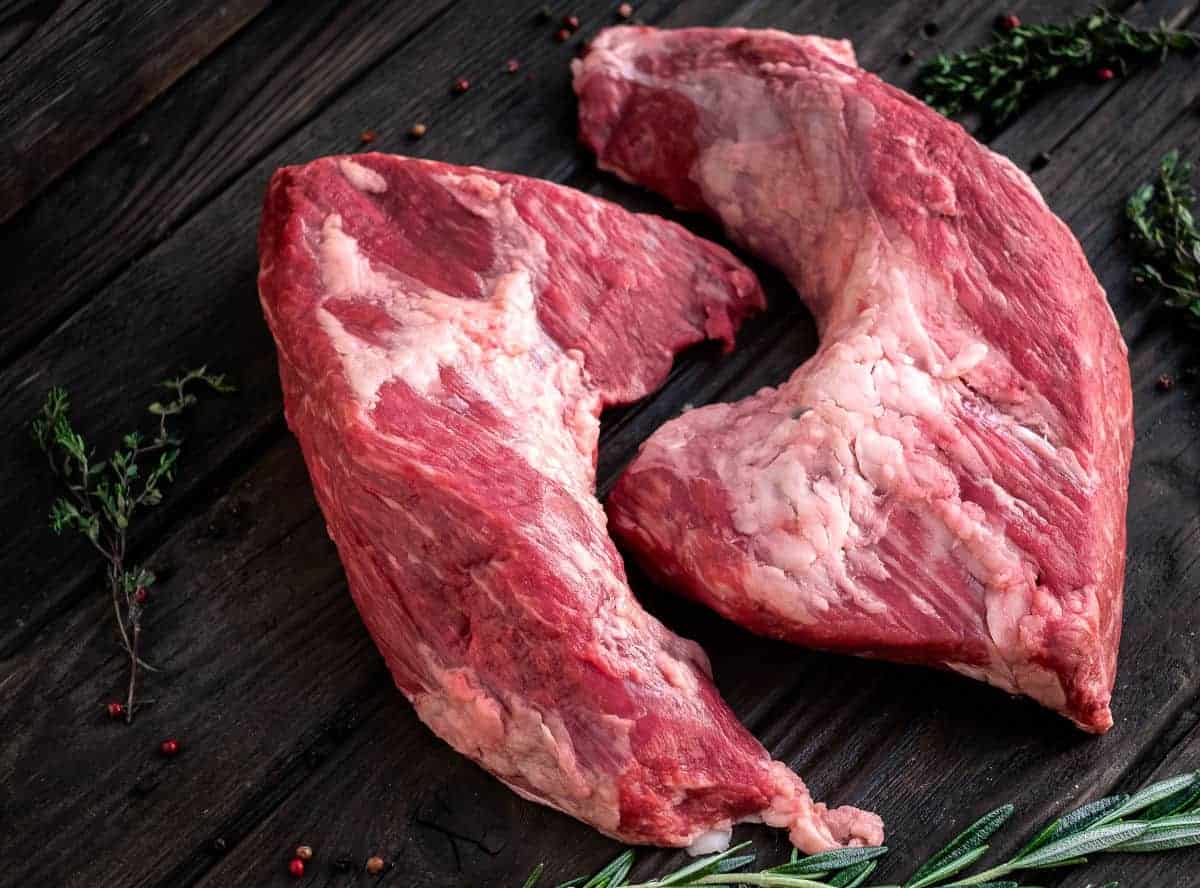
point(944, 482)
point(447, 337)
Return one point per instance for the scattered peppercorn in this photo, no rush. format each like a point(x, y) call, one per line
point(1166, 382)
point(367, 136)
point(375, 865)
point(930, 29)
point(562, 35)
point(114, 710)
point(908, 57)
point(140, 595)
point(512, 66)
point(571, 21)
point(296, 867)
point(1105, 74)
point(169, 747)
point(418, 130)
point(304, 852)
point(625, 11)
point(219, 845)
point(343, 864)
point(1008, 22)
point(1039, 160)
point(543, 15)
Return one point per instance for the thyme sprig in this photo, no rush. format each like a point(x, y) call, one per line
point(102, 496)
point(1164, 236)
point(1003, 78)
point(1159, 817)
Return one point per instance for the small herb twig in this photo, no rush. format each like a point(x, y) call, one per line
point(102, 497)
point(1164, 236)
point(1159, 817)
point(1021, 63)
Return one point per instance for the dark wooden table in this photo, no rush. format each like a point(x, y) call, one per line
point(136, 137)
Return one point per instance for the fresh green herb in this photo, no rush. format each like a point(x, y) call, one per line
point(1021, 63)
point(1160, 817)
point(103, 496)
point(1164, 236)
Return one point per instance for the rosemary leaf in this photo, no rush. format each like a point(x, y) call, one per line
point(1077, 821)
point(818, 864)
point(613, 874)
point(854, 876)
point(702, 867)
point(1076, 847)
point(1169, 818)
point(1164, 834)
point(1149, 795)
point(951, 867)
point(966, 842)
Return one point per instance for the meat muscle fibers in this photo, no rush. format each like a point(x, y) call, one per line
point(447, 338)
point(945, 481)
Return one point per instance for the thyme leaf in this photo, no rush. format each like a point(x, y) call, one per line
point(1164, 236)
point(102, 497)
point(1003, 78)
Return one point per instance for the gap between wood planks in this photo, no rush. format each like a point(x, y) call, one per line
point(20, 345)
point(24, 341)
point(124, 97)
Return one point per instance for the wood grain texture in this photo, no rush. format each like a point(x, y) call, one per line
point(291, 727)
point(74, 71)
point(136, 189)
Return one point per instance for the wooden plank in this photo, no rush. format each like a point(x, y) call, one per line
point(253, 599)
point(212, 126)
point(857, 730)
point(75, 72)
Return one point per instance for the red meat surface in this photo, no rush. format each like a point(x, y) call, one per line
point(945, 481)
point(447, 338)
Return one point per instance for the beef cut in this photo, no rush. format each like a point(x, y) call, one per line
point(447, 337)
point(945, 481)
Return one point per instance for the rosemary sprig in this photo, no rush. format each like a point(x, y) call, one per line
point(1162, 816)
point(102, 497)
point(1020, 64)
point(1164, 236)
